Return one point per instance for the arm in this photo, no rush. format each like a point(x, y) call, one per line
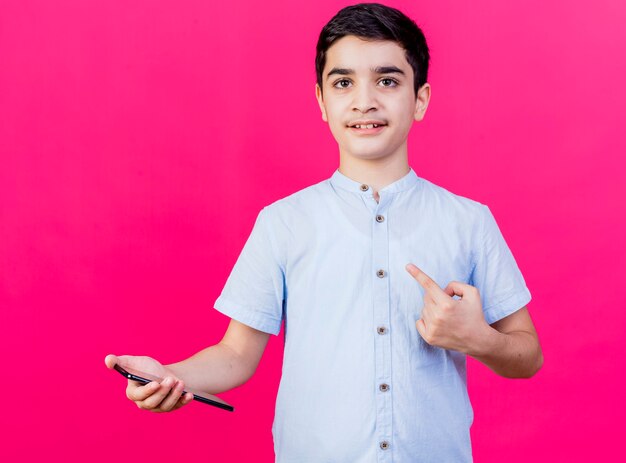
point(511, 347)
point(215, 369)
point(226, 365)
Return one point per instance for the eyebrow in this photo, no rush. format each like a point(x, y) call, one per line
point(377, 70)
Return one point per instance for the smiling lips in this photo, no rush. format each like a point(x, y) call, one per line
point(367, 127)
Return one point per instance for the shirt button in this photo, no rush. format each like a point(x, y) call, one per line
point(364, 187)
point(380, 218)
point(384, 445)
point(383, 387)
point(381, 330)
point(380, 273)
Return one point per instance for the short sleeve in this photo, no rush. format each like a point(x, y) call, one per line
point(254, 291)
point(496, 274)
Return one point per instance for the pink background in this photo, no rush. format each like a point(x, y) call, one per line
point(139, 140)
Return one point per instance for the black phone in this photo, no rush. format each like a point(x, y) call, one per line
point(146, 378)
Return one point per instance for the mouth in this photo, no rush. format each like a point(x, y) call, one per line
point(367, 127)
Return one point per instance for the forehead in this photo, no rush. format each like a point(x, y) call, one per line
point(362, 55)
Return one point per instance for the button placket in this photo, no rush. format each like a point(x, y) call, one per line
point(381, 293)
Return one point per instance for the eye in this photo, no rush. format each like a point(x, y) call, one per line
point(389, 82)
point(340, 83)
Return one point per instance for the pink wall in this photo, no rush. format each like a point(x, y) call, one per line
point(138, 141)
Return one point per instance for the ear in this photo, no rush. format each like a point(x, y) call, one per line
point(320, 101)
point(421, 102)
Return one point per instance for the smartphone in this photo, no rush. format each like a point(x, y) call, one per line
point(146, 378)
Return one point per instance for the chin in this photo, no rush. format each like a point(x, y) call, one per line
point(371, 155)
point(370, 152)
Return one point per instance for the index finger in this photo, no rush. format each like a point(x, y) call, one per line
point(427, 283)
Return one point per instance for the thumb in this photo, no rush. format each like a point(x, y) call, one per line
point(124, 361)
point(421, 328)
point(110, 361)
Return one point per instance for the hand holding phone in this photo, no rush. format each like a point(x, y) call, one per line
point(153, 387)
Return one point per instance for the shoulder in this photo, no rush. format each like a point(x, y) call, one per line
point(447, 203)
point(454, 215)
point(301, 202)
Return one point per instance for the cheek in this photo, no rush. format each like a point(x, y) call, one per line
point(336, 127)
point(333, 111)
point(408, 105)
point(406, 113)
point(334, 116)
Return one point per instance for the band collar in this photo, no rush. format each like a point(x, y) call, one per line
point(404, 183)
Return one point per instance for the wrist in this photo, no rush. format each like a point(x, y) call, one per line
point(173, 369)
point(488, 340)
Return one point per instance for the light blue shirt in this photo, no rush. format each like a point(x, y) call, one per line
point(359, 384)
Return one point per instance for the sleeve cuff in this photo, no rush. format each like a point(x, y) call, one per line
point(254, 318)
point(507, 306)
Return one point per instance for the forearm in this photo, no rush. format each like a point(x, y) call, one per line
point(516, 354)
point(213, 370)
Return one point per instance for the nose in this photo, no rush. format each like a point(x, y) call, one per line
point(364, 99)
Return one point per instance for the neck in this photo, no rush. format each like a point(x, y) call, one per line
point(376, 173)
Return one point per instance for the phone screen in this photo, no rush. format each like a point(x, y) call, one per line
point(145, 378)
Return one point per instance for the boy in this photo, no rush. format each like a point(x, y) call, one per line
point(375, 348)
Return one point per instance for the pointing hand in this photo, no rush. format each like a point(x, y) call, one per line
point(455, 324)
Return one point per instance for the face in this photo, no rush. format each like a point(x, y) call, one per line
point(368, 98)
